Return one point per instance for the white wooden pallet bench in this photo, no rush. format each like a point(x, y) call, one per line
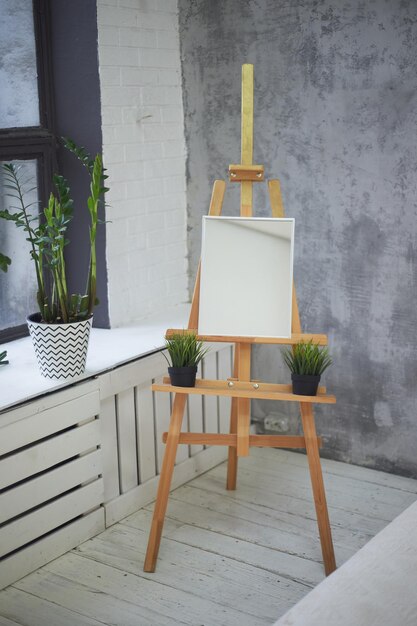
point(375, 587)
point(75, 460)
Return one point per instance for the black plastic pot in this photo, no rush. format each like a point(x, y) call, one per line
point(182, 376)
point(304, 385)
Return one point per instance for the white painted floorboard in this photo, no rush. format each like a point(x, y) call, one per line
point(238, 558)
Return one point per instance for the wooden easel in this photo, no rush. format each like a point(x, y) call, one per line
point(240, 388)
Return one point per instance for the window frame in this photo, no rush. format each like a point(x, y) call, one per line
point(35, 142)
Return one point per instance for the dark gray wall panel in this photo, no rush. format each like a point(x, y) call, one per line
point(336, 121)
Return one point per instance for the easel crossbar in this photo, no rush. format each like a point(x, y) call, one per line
point(295, 338)
point(255, 441)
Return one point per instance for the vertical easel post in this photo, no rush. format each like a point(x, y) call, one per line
point(240, 410)
point(246, 201)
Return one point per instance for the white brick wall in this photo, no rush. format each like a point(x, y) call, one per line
point(144, 151)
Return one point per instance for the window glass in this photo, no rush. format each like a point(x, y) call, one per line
point(18, 285)
point(19, 102)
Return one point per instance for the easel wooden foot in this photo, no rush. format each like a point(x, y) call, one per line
point(165, 482)
point(317, 484)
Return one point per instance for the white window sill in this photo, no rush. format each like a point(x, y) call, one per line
point(21, 381)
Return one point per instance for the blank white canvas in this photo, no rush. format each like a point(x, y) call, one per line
point(246, 277)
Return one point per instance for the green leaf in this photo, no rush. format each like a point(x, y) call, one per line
point(5, 261)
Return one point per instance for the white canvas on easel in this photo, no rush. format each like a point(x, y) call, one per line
point(246, 277)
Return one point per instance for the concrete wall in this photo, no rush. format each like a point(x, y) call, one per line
point(336, 117)
point(144, 151)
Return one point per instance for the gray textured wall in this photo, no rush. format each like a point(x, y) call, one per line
point(335, 120)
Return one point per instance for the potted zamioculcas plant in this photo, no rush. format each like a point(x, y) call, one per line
point(185, 353)
point(60, 328)
point(306, 362)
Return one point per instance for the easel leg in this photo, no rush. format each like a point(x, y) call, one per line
point(165, 482)
point(232, 459)
point(317, 484)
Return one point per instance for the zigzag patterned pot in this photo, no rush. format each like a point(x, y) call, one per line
point(61, 349)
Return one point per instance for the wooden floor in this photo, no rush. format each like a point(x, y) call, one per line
point(227, 558)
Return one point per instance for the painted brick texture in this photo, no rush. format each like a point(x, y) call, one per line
point(144, 151)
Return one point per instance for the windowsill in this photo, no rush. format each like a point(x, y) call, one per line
point(21, 381)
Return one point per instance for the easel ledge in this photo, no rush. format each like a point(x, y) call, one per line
point(295, 338)
point(238, 389)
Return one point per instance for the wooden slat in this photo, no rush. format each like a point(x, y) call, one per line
point(132, 374)
point(238, 384)
point(50, 547)
point(275, 197)
point(247, 137)
point(195, 416)
point(259, 441)
point(48, 453)
point(232, 460)
point(145, 433)
point(48, 401)
point(224, 367)
point(108, 429)
point(243, 405)
point(242, 393)
point(29, 494)
point(126, 436)
point(239, 173)
point(164, 485)
point(317, 484)
point(34, 525)
point(48, 422)
point(319, 339)
point(162, 415)
point(211, 423)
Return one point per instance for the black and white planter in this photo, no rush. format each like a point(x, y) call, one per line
point(182, 376)
point(305, 385)
point(61, 349)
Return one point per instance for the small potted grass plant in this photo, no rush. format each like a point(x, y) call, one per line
point(306, 362)
point(185, 353)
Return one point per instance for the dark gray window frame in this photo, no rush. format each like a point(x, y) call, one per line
point(64, 33)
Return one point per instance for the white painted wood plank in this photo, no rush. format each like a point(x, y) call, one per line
point(195, 415)
point(53, 420)
point(294, 505)
point(126, 437)
point(274, 537)
point(4, 621)
point(43, 455)
point(132, 374)
point(158, 598)
point(363, 502)
point(38, 490)
point(338, 468)
point(108, 433)
point(225, 369)
point(374, 588)
point(28, 610)
point(145, 428)
point(287, 565)
point(162, 419)
point(34, 407)
point(146, 493)
point(238, 513)
point(231, 583)
point(44, 519)
point(50, 547)
point(211, 422)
